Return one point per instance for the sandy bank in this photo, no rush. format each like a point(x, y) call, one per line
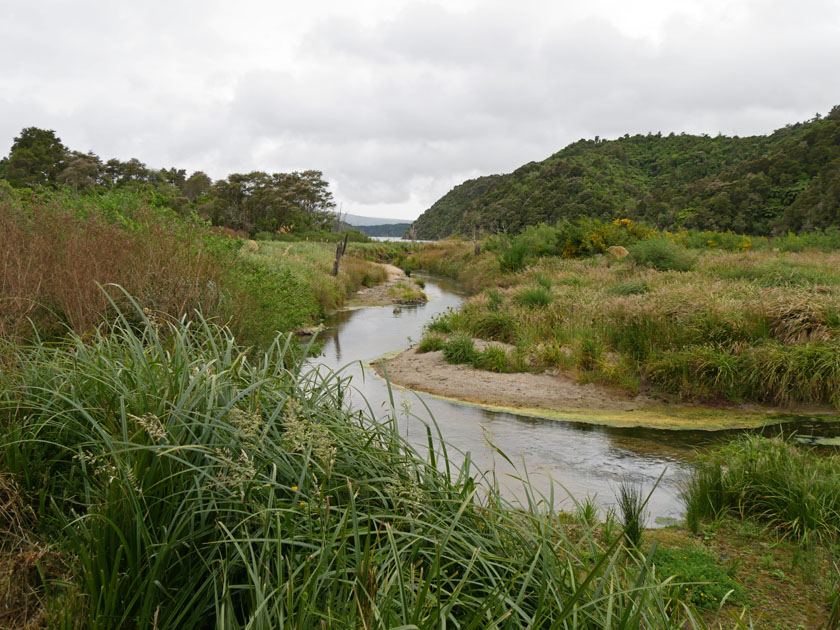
point(559, 397)
point(380, 294)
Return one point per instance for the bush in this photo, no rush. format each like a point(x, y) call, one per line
point(661, 254)
point(514, 258)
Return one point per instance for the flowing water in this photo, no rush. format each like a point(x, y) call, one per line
point(573, 458)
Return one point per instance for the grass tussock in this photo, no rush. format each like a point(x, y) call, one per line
point(769, 479)
point(188, 482)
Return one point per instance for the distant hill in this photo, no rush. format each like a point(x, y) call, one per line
point(788, 180)
point(388, 229)
point(359, 221)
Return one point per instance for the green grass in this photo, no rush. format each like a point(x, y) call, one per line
point(459, 348)
point(697, 577)
point(771, 480)
point(431, 342)
point(661, 254)
point(538, 296)
point(630, 287)
point(189, 485)
point(493, 358)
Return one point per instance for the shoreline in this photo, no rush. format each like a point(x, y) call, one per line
point(558, 397)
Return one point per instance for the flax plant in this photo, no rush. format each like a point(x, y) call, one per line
point(193, 485)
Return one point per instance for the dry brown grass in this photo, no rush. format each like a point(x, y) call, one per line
point(51, 262)
point(24, 563)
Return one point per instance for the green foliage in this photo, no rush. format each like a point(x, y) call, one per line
point(631, 503)
point(514, 258)
point(36, 159)
point(760, 185)
point(459, 348)
point(431, 342)
point(771, 372)
point(543, 280)
point(188, 484)
point(534, 297)
point(494, 325)
point(697, 576)
point(494, 299)
point(493, 358)
point(661, 254)
point(788, 486)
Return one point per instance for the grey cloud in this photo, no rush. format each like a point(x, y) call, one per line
point(396, 110)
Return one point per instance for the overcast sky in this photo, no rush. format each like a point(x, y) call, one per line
point(396, 102)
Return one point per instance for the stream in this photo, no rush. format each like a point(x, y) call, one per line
point(575, 459)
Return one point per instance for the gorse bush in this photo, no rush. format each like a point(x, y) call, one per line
point(192, 486)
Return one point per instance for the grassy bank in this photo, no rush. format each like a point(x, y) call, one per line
point(173, 482)
point(60, 248)
point(694, 324)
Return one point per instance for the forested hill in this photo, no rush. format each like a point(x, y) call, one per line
point(789, 180)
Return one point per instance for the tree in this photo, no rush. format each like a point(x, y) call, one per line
point(36, 158)
point(83, 171)
point(197, 184)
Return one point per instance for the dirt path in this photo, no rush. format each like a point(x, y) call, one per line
point(560, 397)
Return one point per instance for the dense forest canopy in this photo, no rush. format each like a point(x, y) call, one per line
point(247, 202)
point(786, 181)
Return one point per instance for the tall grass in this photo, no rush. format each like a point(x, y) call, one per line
point(193, 486)
point(770, 479)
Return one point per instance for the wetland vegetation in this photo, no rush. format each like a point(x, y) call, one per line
point(170, 459)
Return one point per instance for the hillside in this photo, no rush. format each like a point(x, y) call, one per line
point(359, 221)
point(786, 181)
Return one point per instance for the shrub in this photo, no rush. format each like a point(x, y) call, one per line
point(514, 258)
point(661, 254)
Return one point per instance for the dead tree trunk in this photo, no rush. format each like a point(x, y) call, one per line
point(340, 248)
